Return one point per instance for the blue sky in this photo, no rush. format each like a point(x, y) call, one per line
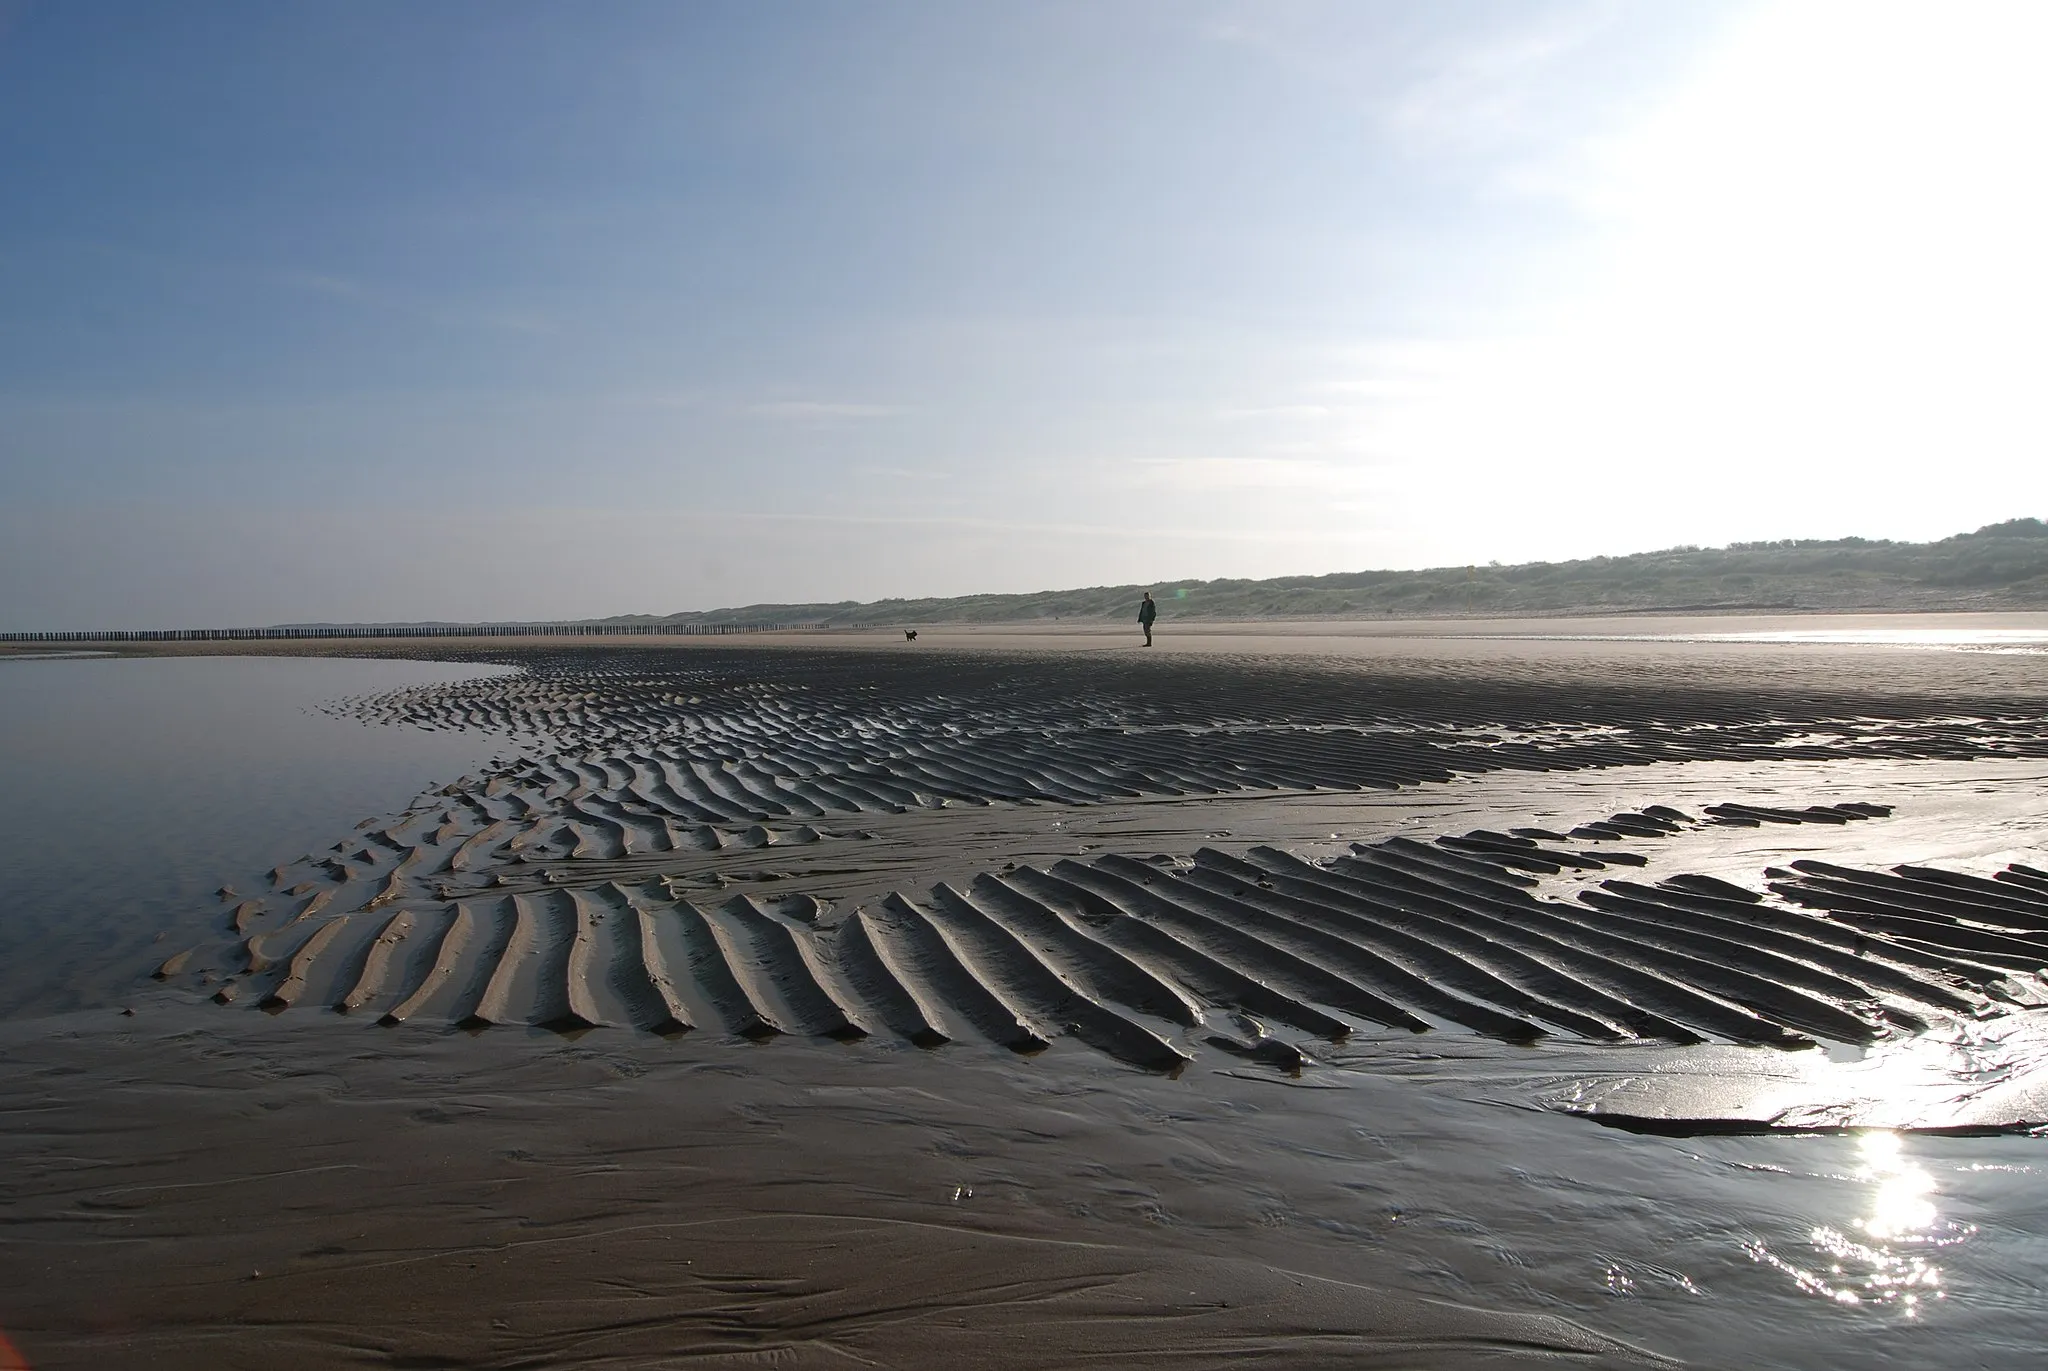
point(353, 310)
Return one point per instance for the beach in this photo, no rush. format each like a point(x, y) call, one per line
point(1019, 997)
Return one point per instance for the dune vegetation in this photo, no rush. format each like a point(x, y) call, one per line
point(1999, 566)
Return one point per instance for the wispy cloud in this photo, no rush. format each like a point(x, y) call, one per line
point(822, 411)
point(328, 285)
point(1207, 475)
point(724, 520)
point(318, 284)
point(665, 399)
point(410, 304)
point(1493, 95)
point(906, 473)
point(1274, 412)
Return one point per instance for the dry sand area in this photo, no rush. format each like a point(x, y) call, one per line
point(1032, 1000)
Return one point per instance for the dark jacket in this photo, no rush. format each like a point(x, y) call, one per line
point(1148, 610)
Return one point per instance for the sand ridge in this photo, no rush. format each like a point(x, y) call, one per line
point(590, 884)
point(1133, 956)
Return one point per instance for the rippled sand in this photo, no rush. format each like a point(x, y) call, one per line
point(1186, 1007)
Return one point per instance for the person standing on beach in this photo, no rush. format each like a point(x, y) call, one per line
point(1147, 612)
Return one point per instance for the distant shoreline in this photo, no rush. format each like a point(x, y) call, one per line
point(601, 628)
point(2000, 568)
point(1342, 637)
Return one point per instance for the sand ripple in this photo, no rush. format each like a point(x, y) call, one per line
point(1148, 958)
point(588, 885)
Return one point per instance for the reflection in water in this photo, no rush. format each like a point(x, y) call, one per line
point(1886, 1255)
point(1968, 639)
point(1893, 637)
point(131, 788)
point(1899, 1208)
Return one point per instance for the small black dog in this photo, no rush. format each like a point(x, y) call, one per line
point(909, 635)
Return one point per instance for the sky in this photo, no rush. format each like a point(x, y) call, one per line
point(347, 310)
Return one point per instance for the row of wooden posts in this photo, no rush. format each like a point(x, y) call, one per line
point(193, 635)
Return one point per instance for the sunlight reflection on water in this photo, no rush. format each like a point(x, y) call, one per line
point(1959, 639)
point(2026, 639)
point(1887, 1255)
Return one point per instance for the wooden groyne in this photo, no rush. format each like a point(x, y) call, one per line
point(195, 635)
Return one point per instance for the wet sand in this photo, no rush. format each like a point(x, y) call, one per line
point(1006, 1003)
point(277, 1197)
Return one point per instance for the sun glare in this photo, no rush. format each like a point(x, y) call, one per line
point(1829, 243)
point(1900, 1203)
point(1884, 1255)
point(1818, 277)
